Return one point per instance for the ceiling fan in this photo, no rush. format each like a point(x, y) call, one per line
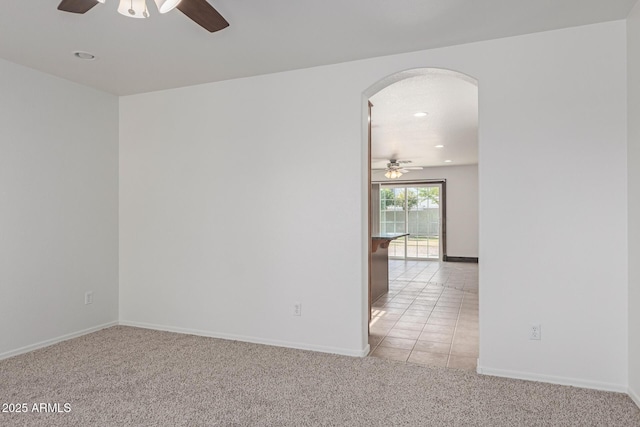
point(395, 169)
point(199, 11)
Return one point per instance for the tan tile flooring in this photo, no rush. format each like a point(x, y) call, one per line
point(429, 316)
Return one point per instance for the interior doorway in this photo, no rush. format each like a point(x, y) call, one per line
point(423, 145)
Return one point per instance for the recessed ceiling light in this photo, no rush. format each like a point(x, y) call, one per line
point(420, 114)
point(84, 55)
point(439, 146)
point(447, 161)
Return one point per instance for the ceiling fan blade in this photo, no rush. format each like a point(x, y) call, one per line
point(403, 171)
point(203, 14)
point(414, 168)
point(76, 6)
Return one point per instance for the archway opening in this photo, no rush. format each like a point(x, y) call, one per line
point(422, 163)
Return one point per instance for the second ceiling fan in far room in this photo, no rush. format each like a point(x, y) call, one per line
point(395, 169)
point(199, 11)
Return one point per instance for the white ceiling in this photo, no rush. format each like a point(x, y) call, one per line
point(450, 100)
point(167, 51)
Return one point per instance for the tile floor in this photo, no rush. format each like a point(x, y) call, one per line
point(429, 316)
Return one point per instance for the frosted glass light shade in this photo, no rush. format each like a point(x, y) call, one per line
point(133, 8)
point(165, 6)
point(393, 174)
point(101, 1)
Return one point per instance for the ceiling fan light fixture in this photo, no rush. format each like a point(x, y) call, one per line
point(165, 6)
point(133, 8)
point(199, 11)
point(393, 174)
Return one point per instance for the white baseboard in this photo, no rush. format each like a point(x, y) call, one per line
point(575, 382)
point(47, 343)
point(277, 343)
point(634, 396)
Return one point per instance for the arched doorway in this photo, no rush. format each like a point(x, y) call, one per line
point(423, 141)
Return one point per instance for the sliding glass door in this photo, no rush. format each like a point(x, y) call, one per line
point(413, 209)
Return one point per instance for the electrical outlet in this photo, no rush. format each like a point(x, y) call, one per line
point(297, 309)
point(535, 331)
point(88, 297)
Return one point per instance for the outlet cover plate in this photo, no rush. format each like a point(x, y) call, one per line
point(535, 332)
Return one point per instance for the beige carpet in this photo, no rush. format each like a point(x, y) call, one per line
point(125, 376)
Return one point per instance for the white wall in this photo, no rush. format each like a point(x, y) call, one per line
point(633, 75)
point(187, 261)
point(552, 138)
point(58, 208)
point(552, 142)
point(462, 204)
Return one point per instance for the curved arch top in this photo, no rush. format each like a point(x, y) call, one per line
point(415, 72)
